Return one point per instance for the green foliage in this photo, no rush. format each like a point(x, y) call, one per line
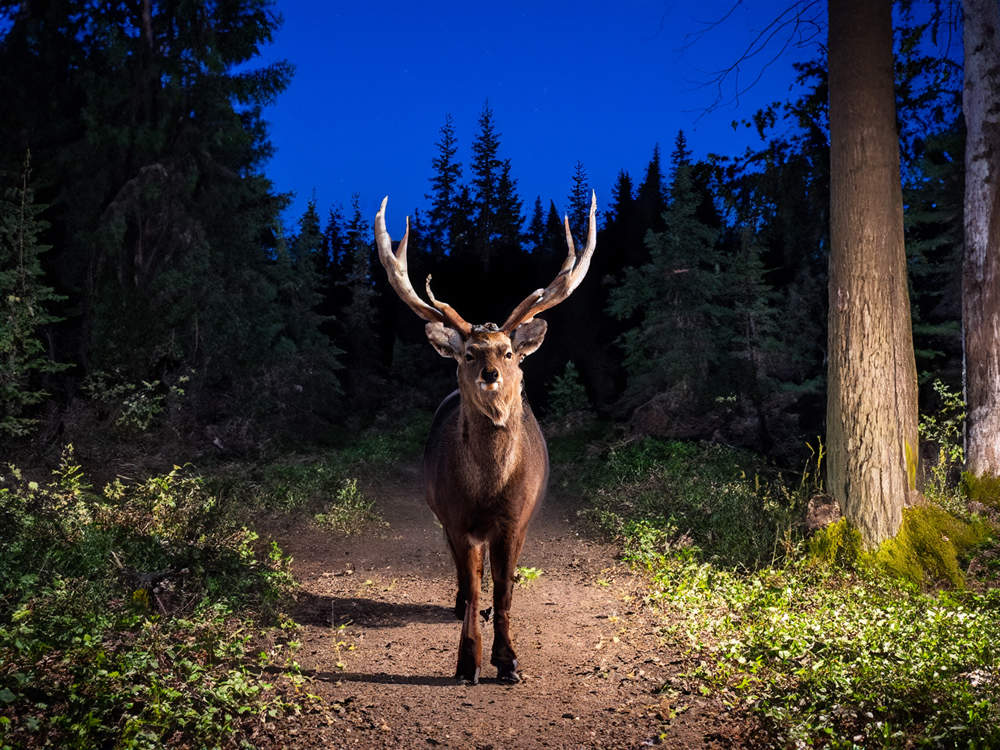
point(928, 546)
point(826, 656)
point(347, 512)
point(944, 428)
point(124, 612)
point(675, 295)
point(525, 576)
point(23, 302)
point(567, 394)
point(724, 504)
point(136, 407)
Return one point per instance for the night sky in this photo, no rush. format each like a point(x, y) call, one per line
point(596, 82)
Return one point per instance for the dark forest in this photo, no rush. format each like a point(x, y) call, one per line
point(134, 167)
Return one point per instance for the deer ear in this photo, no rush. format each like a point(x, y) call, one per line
point(446, 340)
point(528, 336)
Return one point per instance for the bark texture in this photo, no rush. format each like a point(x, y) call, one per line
point(981, 269)
point(872, 398)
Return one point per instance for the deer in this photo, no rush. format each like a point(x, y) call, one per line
point(485, 465)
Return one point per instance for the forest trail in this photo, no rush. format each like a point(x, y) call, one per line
point(379, 643)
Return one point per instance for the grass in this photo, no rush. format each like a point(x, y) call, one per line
point(828, 650)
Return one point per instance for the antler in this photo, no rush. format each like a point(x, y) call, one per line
point(573, 270)
point(395, 265)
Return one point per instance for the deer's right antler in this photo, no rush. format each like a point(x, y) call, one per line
point(573, 270)
point(395, 265)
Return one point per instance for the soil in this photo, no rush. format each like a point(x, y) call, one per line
point(379, 643)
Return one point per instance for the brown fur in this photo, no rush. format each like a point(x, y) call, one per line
point(485, 472)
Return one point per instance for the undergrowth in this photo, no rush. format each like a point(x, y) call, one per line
point(829, 646)
point(146, 614)
point(135, 616)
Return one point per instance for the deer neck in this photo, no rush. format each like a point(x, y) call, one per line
point(493, 450)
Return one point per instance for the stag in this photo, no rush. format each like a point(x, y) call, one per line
point(486, 465)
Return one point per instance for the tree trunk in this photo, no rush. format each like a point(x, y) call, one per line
point(981, 269)
point(872, 398)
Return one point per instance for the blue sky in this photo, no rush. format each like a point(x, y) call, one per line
point(596, 82)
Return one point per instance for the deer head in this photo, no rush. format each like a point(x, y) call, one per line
point(488, 356)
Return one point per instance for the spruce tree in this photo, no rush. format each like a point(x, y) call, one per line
point(444, 193)
point(676, 341)
point(486, 169)
point(578, 201)
point(535, 234)
point(155, 151)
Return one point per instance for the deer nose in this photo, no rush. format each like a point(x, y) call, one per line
point(490, 375)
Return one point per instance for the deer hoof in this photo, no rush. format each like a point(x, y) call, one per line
point(465, 677)
point(508, 673)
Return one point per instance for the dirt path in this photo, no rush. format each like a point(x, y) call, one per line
point(380, 640)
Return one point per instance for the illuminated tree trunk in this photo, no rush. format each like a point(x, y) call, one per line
point(981, 269)
point(872, 399)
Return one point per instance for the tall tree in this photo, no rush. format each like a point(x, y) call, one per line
point(981, 270)
point(578, 201)
point(872, 397)
point(509, 213)
point(444, 192)
point(679, 337)
point(486, 168)
point(535, 234)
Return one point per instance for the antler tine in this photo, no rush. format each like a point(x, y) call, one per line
point(574, 268)
point(396, 267)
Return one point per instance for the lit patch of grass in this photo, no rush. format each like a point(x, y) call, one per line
point(827, 655)
point(348, 511)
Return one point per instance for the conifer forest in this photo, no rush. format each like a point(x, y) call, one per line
point(826, 299)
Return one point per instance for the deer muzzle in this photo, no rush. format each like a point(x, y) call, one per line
point(489, 379)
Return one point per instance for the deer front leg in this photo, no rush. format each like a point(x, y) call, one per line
point(503, 560)
point(464, 579)
point(469, 559)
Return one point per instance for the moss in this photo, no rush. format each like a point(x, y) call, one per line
point(984, 489)
point(837, 544)
point(928, 547)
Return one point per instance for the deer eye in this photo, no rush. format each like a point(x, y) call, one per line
point(509, 355)
point(468, 358)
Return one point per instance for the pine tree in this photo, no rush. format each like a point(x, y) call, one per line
point(155, 151)
point(535, 235)
point(486, 170)
point(651, 197)
point(444, 194)
point(23, 302)
point(934, 248)
point(676, 343)
point(621, 213)
point(679, 157)
point(579, 202)
point(509, 214)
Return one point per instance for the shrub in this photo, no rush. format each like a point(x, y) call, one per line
point(124, 613)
